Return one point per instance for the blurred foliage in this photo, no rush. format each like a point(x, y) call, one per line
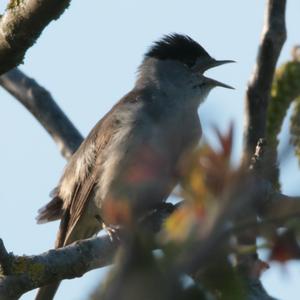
point(138, 273)
point(198, 243)
point(286, 246)
point(285, 90)
point(207, 174)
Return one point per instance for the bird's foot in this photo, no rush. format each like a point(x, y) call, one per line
point(114, 232)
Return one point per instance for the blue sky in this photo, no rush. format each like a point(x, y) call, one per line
point(88, 59)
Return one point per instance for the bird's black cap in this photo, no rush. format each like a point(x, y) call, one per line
point(178, 47)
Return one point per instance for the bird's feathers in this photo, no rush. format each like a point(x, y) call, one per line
point(128, 142)
point(52, 211)
point(177, 47)
point(90, 166)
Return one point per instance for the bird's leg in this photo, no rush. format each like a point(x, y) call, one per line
point(113, 231)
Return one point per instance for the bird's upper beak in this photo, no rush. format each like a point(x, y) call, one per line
point(204, 65)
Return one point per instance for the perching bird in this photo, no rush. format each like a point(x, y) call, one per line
point(133, 153)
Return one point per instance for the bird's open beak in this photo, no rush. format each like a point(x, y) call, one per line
point(211, 63)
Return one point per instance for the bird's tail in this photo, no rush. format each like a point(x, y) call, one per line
point(47, 292)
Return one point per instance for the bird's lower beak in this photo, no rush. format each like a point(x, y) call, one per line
point(215, 83)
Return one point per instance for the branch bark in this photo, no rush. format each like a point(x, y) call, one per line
point(258, 93)
point(41, 104)
point(22, 24)
point(259, 87)
point(30, 272)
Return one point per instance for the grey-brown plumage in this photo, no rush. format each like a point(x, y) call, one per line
point(134, 152)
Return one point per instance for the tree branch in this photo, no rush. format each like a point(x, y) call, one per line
point(258, 94)
point(41, 104)
point(259, 87)
point(30, 272)
point(22, 24)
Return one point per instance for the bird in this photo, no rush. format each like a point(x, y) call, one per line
point(134, 152)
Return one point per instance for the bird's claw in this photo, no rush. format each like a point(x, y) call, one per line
point(113, 232)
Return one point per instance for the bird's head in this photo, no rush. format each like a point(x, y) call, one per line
point(176, 64)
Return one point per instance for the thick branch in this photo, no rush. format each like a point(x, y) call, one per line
point(22, 24)
point(41, 104)
point(30, 272)
point(258, 92)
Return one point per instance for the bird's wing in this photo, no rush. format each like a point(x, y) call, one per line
point(82, 173)
point(82, 194)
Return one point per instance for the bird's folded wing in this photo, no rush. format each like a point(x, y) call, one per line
point(82, 173)
point(82, 195)
point(83, 188)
